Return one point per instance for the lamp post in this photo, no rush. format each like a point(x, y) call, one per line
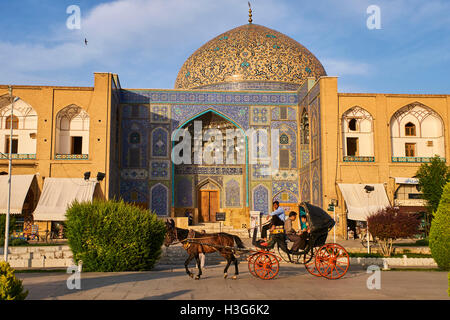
point(8, 212)
point(368, 189)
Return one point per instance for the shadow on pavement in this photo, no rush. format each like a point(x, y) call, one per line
point(58, 287)
point(167, 296)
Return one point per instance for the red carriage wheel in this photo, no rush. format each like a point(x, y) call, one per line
point(251, 264)
point(332, 261)
point(310, 263)
point(266, 266)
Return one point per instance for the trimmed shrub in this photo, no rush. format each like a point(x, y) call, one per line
point(114, 236)
point(10, 287)
point(440, 231)
point(18, 242)
point(389, 224)
point(12, 222)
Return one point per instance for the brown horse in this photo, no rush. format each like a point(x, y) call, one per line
point(200, 243)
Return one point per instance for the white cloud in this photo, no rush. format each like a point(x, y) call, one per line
point(336, 67)
point(123, 31)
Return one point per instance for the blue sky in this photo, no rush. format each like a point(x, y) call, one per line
point(147, 41)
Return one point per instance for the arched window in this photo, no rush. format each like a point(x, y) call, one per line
point(424, 130)
point(304, 128)
point(135, 138)
point(410, 129)
point(72, 133)
point(24, 123)
point(284, 139)
point(357, 135)
point(15, 122)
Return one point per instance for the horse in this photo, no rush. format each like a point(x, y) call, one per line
point(220, 241)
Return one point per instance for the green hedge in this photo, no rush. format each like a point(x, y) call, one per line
point(114, 236)
point(440, 231)
point(10, 287)
point(12, 222)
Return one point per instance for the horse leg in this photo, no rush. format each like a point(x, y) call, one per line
point(186, 265)
point(236, 269)
point(199, 266)
point(226, 256)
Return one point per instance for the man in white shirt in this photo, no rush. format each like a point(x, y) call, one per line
point(277, 211)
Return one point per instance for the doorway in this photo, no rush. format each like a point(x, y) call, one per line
point(208, 205)
point(352, 147)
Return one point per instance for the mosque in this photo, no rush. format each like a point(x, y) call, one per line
point(349, 153)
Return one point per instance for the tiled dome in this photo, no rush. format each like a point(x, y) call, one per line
point(249, 53)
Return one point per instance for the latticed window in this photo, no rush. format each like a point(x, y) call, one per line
point(283, 113)
point(410, 129)
point(304, 132)
point(135, 157)
point(410, 149)
point(284, 159)
point(15, 122)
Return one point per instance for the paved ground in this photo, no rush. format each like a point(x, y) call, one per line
point(293, 282)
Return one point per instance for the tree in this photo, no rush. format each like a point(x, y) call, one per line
point(440, 231)
point(389, 224)
point(432, 178)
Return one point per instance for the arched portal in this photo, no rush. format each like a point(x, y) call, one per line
point(216, 152)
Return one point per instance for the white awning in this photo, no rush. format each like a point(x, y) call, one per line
point(58, 194)
point(20, 184)
point(361, 204)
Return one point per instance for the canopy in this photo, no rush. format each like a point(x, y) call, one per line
point(361, 204)
point(20, 184)
point(58, 194)
point(319, 219)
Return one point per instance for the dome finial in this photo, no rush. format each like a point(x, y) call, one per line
point(250, 20)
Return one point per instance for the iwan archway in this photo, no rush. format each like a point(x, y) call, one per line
point(219, 156)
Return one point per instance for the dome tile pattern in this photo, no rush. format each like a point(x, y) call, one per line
point(249, 53)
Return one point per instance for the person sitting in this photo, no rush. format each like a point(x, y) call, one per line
point(304, 232)
point(277, 235)
point(291, 233)
point(279, 212)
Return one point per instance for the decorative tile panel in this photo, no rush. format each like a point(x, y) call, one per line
point(232, 193)
point(159, 195)
point(134, 174)
point(184, 189)
point(160, 143)
point(204, 97)
point(260, 196)
point(260, 115)
point(159, 113)
point(160, 170)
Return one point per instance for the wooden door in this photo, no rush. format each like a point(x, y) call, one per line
point(203, 206)
point(213, 204)
point(208, 205)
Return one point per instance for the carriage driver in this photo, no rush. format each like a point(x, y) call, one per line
point(277, 211)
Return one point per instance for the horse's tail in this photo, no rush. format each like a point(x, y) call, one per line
point(238, 241)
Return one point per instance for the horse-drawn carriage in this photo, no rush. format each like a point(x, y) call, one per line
point(321, 259)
